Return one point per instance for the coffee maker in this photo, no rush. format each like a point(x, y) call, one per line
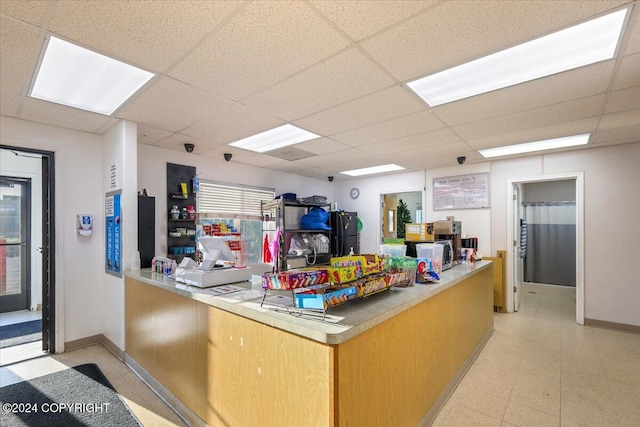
point(450, 230)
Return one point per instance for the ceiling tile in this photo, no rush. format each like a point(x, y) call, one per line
point(62, 116)
point(265, 43)
point(559, 88)
point(346, 76)
point(360, 19)
point(558, 113)
point(150, 135)
point(399, 127)
point(427, 139)
point(335, 157)
point(9, 104)
point(171, 105)
point(455, 32)
point(176, 141)
point(152, 35)
point(619, 120)
point(629, 72)
point(289, 167)
point(233, 123)
point(238, 154)
point(28, 11)
point(622, 100)
point(19, 49)
point(312, 172)
point(384, 105)
point(437, 156)
point(263, 161)
point(322, 146)
point(624, 134)
point(537, 134)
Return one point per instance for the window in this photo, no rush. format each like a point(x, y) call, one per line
point(238, 207)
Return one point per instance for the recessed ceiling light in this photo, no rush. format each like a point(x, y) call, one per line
point(374, 169)
point(547, 144)
point(587, 43)
point(281, 136)
point(77, 77)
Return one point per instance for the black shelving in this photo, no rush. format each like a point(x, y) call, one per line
point(184, 245)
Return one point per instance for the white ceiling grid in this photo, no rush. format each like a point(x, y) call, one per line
point(231, 69)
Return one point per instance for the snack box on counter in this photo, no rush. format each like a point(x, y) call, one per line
point(365, 263)
point(293, 279)
point(323, 297)
point(342, 274)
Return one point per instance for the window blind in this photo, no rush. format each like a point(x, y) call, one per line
point(217, 199)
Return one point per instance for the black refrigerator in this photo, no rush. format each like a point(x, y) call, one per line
point(345, 233)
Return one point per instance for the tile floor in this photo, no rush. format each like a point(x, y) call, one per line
point(539, 368)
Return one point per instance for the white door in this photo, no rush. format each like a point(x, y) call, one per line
point(515, 249)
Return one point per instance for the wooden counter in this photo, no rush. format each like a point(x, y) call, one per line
point(385, 363)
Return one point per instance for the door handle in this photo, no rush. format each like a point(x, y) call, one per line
point(39, 248)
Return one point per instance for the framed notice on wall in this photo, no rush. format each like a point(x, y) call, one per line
point(113, 233)
point(461, 192)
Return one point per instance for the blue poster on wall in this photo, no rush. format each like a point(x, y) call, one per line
point(113, 234)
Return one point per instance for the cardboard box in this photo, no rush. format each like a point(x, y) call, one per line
point(415, 232)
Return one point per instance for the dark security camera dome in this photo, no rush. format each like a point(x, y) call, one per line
point(461, 160)
point(189, 147)
point(330, 178)
point(227, 156)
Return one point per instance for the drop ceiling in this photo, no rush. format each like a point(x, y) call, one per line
point(228, 70)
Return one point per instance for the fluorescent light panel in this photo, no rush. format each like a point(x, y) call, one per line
point(547, 144)
point(77, 77)
point(374, 169)
point(281, 136)
point(574, 47)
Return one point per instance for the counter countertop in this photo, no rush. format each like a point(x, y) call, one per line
point(343, 322)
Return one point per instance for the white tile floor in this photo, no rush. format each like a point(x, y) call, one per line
point(542, 369)
point(539, 368)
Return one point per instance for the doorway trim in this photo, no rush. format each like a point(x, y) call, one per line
point(512, 262)
point(52, 337)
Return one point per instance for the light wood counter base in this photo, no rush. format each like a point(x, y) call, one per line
point(231, 370)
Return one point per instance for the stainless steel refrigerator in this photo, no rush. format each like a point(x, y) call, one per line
point(345, 233)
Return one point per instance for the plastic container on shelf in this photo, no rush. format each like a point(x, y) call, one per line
point(433, 251)
point(393, 250)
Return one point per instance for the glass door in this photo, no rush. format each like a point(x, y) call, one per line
point(15, 214)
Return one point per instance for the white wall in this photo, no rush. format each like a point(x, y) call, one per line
point(29, 167)
point(152, 175)
point(368, 204)
point(612, 287)
point(475, 222)
point(78, 189)
point(119, 148)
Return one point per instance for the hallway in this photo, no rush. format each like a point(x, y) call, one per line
point(542, 369)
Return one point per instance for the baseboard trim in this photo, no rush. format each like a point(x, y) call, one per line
point(93, 340)
point(82, 342)
point(622, 327)
point(437, 406)
point(187, 415)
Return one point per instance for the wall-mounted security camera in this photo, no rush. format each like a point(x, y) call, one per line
point(461, 160)
point(330, 178)
point(189, 147)
point(227, 156)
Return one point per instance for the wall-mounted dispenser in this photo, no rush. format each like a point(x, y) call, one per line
point(85, 224)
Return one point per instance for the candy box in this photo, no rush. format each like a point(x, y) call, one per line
point(323, 298)
point(293, 279)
